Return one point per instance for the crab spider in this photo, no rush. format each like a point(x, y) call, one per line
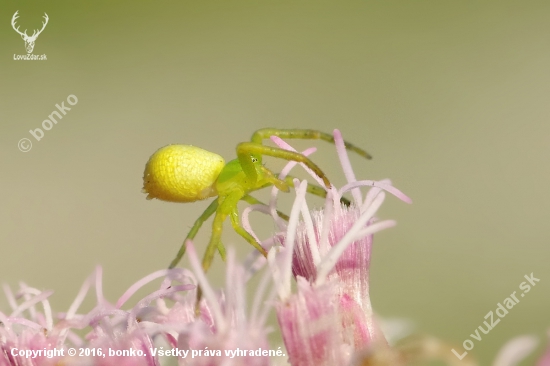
point(183, 173)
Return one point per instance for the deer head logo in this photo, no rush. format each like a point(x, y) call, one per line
point(29, 40)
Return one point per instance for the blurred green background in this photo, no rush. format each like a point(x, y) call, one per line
point(451, 98)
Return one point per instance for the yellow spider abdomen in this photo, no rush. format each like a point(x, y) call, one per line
point(181, 173)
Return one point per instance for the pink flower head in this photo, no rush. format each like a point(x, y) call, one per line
point(312, 327)
point(163, 321)
point(232, 339)
point(330, 249)
point(29, 341)
point(107, 325)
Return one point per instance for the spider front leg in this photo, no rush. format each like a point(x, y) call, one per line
point(316, 190)
point(249, 153)
point(293, 133)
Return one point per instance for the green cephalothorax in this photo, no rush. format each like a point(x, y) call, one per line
point(183, 173)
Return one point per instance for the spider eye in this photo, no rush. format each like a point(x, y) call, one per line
point(254, 159)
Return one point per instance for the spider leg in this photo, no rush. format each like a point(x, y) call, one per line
point(255, 201)
point(311, 188)
point(221, 250)
point(228, 207)
point(317, 191)
point(266, 133)
point(273, 179)
point(205, 216)
point(194, 229)
point(215, 240)
point(235, 222)
point(247, 152)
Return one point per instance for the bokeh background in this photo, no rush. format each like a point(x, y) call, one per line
point(451, 98)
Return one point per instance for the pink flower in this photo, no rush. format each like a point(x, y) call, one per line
point(328, 251)
point(29, 342)
point(233, 338)
point(109, 326)
point(312, 326)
